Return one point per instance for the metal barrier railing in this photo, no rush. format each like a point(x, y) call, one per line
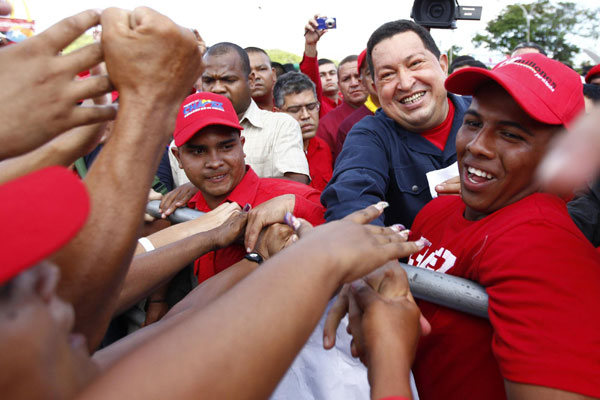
point(446, 290)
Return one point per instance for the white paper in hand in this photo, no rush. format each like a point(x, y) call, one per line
point(438, 176)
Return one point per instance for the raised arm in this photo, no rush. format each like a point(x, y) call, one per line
point(309, 64)
point(119, 180)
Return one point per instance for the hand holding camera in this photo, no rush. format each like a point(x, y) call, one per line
point(316, 27)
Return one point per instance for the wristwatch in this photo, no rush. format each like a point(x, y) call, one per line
point(254, 257)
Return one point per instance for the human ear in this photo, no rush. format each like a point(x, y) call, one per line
point(175, 151)
point(444, 63)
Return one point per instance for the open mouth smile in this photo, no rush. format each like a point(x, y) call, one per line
point(475, 175)
point(413, 98)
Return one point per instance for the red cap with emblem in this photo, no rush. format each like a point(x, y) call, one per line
point(201, 110)
point(547, 90)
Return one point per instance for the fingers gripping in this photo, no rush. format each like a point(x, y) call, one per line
point(334, 317)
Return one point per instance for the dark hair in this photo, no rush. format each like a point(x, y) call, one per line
point(325, 61)
point(462, 61)
point(393, 28)
point(592, 91)
point(279, 70)
point(257, 50)
point(226, 48)
point(290, 67)
point(347, 59)
point(529, 45)
point(291, 83)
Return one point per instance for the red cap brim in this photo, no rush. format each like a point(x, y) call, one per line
point(40, 213)
point(591, 73)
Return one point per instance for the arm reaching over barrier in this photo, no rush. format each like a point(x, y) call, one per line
point(289, 291)
point(150, 93)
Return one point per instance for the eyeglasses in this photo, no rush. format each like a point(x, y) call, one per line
point(297, 109)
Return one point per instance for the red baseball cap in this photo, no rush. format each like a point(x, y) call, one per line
point(201, 110)
point(591, 73)
point(362, 58)
point(40, 213)
point(547, 90)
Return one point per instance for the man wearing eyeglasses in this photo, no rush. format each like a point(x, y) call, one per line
point(295, 94)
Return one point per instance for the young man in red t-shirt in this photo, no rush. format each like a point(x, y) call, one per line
point(210, 151)
point(295, 95)
point(541, 274)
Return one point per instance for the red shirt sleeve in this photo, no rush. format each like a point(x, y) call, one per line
point(310, 67)
point(310, 208)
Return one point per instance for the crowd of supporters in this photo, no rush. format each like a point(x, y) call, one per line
point(315, 187)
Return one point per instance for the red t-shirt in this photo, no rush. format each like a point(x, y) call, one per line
point(320, 165)
point(439, 135)
point(310, 67)
point(542, 277)
point(254, 191)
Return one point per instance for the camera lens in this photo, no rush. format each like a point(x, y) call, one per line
point(330, 22)
point(437, 10)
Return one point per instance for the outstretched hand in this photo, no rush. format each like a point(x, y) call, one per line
point(38, 86)
point(351, 246)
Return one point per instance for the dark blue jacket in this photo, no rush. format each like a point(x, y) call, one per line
point(381, 160)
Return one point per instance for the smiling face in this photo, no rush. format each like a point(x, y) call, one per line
point(498, 147)
point(262, 75)
point(223, 74)
point(329, 79)
point(41, 357)
point(298, 106)
point(213, 160)
point(410, 82)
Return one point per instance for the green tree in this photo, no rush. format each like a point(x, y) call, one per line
point(553, 26)
point(453, 52)
point(283, 57)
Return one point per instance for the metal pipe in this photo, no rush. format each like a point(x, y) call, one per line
point(180, 215)
point(445, 290)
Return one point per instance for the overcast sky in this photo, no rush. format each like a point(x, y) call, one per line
point(272, 24)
